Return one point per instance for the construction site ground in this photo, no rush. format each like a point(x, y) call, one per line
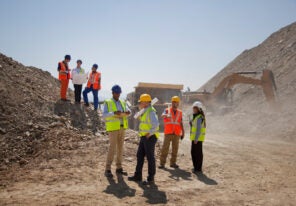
point(238, 170)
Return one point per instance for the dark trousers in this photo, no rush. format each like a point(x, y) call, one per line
point(77, 91)
point(146, 148)
point(197, 155)
point(95, 94)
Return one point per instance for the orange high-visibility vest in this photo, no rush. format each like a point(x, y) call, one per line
point(63, 76)
point(172, 124)
point(96, 84)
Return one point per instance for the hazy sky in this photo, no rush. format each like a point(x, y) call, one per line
point(166, 41)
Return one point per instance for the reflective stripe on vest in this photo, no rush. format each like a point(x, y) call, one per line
point(96, 84)
point(63, 76)
point(172, 124)
point(193, 129)
point(145, 123)
point(113, 123)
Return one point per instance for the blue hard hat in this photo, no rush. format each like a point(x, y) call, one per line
point(68, 57)
point(116, 89)
point(95, 66)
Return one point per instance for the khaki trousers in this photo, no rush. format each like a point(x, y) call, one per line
point(168, 138)
point(116, 140)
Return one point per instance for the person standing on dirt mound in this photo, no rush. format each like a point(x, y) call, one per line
point(149, 133)
point(115, 114)
point(173, 131)
point(197, 135)
point(78, 87)
point(64, 76)
point(93, 85)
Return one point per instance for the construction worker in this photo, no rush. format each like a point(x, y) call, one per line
point(64, 76)
point(149, 133)
point(173, 131)
point(115, 114)
point(197, 135)
point(78, 87)
point(93, 85)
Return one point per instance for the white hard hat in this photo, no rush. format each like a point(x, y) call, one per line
point(197, 104)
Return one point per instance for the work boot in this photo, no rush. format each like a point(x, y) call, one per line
point(86, 104)
point(174, 166)
point(108, 173)
point(135, 178)
point(149, 181)
point(161, 166)
point(121, 172)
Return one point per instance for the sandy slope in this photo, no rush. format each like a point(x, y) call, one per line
point(237, 171)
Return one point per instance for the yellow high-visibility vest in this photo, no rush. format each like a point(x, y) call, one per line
point(145, 123)
point(113, 123)
point(193, 129)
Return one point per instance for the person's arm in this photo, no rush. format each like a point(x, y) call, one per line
point(59, 67)
point(198, 128)
point(155, 123)
point(183, 131)
point(164, 114)
point(106, 113)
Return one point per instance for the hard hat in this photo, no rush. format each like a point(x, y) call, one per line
point(95, 66)
point(175, 99)
point(68, 57)
point(116, 89)
point(145, 98)
point(197, 104)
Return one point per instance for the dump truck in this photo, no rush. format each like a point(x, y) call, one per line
point(163, 92)
point(223, 92)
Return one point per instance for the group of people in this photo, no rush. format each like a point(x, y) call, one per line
point(93, 83)
point(116, 114)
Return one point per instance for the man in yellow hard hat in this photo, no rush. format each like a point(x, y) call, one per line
point(173, 131)
point(149, 133)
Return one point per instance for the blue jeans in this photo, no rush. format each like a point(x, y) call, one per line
point(146, 148)
point(95, 94)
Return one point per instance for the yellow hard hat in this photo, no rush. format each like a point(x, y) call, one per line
point(145, 98)
point(175, 99)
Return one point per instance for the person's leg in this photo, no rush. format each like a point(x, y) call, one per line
point(79, 89)
point(76, 92)
point(140, 158)
point(165, 149)
point(175, 148)
point(96, 99)
point(111, 151)
point(120, 142)
point(199, 156)
point(85, 92)
point(193, 155)
point(149, 146)
point(64, 87)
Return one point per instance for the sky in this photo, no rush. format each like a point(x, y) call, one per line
point(164, 41)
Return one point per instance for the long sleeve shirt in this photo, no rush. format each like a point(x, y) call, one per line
point(154, 122)
point(198, 128)
point(106, 113)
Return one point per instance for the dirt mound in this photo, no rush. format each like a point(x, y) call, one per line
point(31, 111)
point(250, 113)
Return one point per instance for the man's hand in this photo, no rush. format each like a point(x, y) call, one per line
point(182, 137)
point(128, 112)
point(147, 135)
point(195, 141)
point(117, 113)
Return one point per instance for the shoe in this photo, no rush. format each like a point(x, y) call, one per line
point(135, 178)
point(108, 173)
point(149, 181)
point(66, 100)
point(120, 171)
point(196, 171)
point(161, 167)
point(174, 166)
point(86, 104)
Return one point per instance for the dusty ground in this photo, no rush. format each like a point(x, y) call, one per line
point(237, 171)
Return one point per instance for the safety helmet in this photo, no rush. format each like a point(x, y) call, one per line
point(116, 89)
point(197, 104)
point(145, 98)
point(95, 66)
point(68, 57)
point(175, 99)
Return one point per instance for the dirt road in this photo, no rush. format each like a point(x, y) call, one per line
point(237, 171)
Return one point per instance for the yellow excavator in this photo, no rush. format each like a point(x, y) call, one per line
point(222, 94)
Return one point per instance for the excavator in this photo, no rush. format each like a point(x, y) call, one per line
point(223, 93)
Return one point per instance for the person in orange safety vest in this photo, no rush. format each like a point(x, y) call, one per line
point(64, 76)
point(173, 131)
point(93, 85)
